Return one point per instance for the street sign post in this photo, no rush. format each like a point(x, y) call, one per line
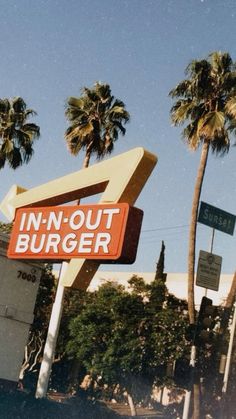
point(208, 271)
point(216, 218)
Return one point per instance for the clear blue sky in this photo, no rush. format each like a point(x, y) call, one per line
point(52, 48)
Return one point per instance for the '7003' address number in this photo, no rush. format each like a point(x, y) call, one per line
point(26, 276)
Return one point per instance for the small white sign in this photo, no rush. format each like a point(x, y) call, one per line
point(208, 271)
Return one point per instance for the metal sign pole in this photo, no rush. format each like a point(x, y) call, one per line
point(50, 345)
point(211, 251)
point(212, 240)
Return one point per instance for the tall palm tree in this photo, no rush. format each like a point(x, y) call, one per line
point(206, 103)
point(16, 133)
point(96, 119)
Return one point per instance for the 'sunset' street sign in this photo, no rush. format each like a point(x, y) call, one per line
point(216, 218)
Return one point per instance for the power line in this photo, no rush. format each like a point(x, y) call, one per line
point(165, 228)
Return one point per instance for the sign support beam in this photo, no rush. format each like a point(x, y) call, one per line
point(52, 335)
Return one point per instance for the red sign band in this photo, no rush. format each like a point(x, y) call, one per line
point(103, 231)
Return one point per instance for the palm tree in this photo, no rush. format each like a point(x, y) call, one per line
point(97, 119)
point(16, 133)
point(206, 103)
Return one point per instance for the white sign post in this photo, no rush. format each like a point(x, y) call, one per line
point(208, 271)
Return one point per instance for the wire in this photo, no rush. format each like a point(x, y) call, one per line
point(165, 228)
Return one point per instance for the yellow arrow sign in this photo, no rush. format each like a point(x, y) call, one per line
point(119, 179)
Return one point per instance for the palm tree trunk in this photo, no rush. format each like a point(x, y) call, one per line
point(86, 161)
point(87, 155)
point(193, 229)
point(232, 293)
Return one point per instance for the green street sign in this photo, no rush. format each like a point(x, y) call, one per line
point(216, 218)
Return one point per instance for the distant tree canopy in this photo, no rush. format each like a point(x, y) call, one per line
point(127, 338)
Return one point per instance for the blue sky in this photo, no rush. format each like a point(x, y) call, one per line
point(50, 49)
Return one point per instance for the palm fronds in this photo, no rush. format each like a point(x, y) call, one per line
point(16, 133)
point(96, 119)
point(206, 101)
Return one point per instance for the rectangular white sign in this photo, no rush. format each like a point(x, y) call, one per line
point(208, 271)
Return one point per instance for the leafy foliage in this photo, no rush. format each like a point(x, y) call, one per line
point(16, 133)
point(5, 227)
point(45, 298)
point(123, 338)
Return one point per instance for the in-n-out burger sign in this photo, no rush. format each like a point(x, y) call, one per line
point(119, 179)
point(103, 231)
